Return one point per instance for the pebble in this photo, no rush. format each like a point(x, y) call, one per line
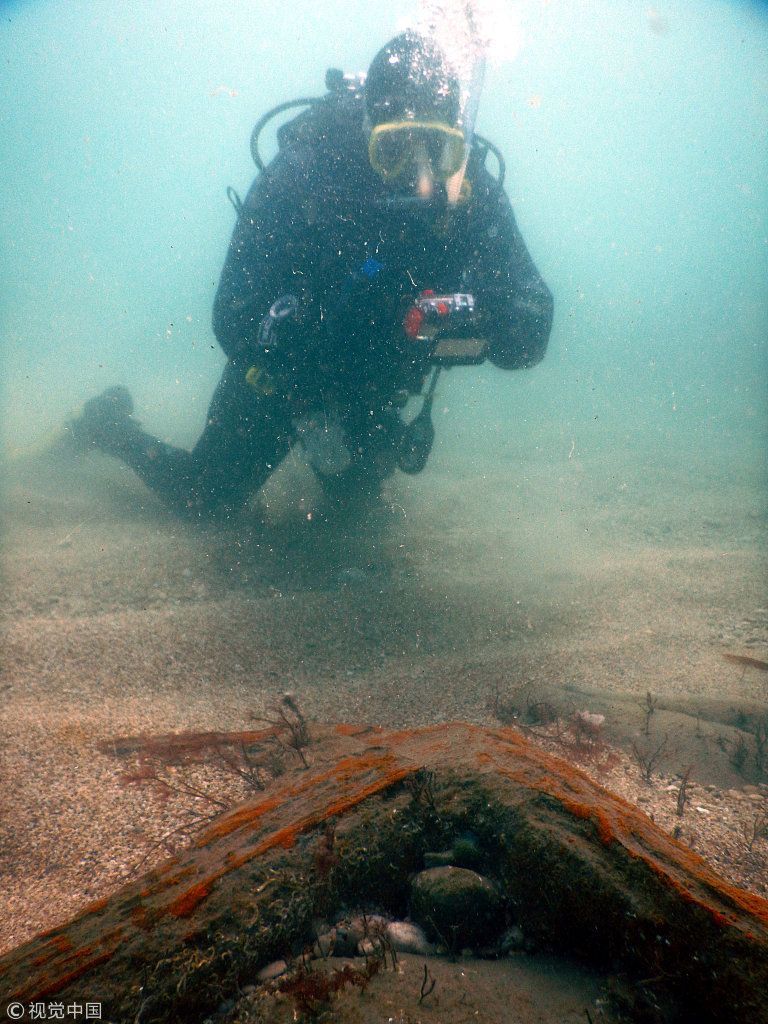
point(325, 944)
point(349, 933)
point(460, 906)
point(273, 970)
point(408, 938)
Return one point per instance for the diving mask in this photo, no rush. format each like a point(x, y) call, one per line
point(400, 148)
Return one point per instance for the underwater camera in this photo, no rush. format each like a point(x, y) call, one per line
point(444, 323)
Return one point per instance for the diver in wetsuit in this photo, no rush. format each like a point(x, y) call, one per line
point(374, 232)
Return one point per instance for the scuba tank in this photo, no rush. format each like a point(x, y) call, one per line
point(343, 100)
point(322, 116)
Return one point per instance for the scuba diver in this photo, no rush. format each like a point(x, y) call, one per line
point(374, 249)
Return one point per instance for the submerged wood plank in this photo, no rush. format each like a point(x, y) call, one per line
point(587, 873)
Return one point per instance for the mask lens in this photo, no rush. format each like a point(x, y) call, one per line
point(443, 151)
point(392, 152)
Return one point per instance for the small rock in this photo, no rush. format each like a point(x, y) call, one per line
point(346, 943)
point(351, 932)
point(456, 906)
point(367, 947)
point(273, 970)
point(325, 944)
point(408, 938)
point(703, 810)
point(466, 852)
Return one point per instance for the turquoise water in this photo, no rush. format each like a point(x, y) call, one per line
point(635, 140)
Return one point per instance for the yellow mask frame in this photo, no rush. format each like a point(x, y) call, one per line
point(395, 145)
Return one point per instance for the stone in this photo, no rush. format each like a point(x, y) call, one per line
point(325, 944)
point(273, 970)
point(456, 906)
point(464, 853)
point(407, 937)
point(346, 942)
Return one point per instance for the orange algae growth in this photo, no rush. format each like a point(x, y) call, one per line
point(56, 944)
point(163, 881)
point(64, 980)
point(237, 819)
point(78, 954)
point(349, 767)
point(142, 918)
point(186, 903)
point(346, 729)
point(286, 837)
point(345, 803)
point(754, 905)
point(595, 815)
point(94, 907)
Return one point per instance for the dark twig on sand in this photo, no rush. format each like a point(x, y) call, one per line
point(287, 715)
point(682, 794)
point(427, 985)
point(648, 757)
point(649, 706)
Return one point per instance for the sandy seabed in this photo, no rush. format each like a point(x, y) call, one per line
point(576, 584)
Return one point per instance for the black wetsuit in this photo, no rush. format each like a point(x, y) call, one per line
point(319, 223)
